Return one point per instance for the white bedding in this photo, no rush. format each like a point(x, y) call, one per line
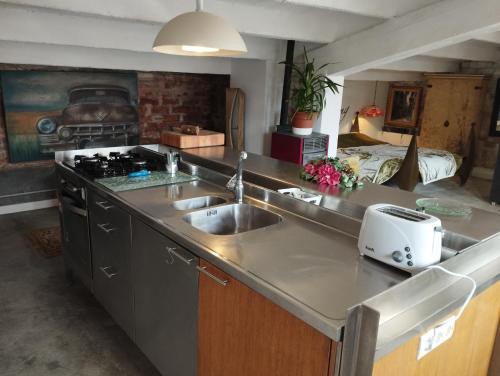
point(379, 163)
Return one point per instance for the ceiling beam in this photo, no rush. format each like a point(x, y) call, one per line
point(490, 37)
point(102, 58)
point(385, 75)
point(373, 8)
point(423, 64)
point(440, 25)
point(471, 50)
point(71, 29)
point(265, 19)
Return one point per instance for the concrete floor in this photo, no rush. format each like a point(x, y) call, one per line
point(48, 327)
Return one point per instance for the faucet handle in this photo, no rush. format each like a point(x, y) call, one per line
point(243, 155)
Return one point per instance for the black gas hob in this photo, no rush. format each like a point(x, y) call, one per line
point(117, 163)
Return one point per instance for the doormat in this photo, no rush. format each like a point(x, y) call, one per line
point(46, 241)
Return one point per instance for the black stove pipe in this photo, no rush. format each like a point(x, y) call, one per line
point(287, 81)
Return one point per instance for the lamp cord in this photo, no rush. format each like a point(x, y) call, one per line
point(469, 296)
point(375, 93)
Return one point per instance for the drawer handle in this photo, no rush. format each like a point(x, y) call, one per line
point(103, 227)
point(102, 204)
point(203, 269)
point(108, 271)
point(173, 252)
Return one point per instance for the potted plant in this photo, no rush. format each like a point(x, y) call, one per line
point(308, 96)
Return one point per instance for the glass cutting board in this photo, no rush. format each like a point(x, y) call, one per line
point(124, 183)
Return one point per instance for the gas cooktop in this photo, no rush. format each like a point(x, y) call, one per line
point(103, 163)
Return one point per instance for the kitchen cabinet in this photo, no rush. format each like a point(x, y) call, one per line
point(470, 351)
point(110, 235)
point(165, 282)
point(242, 333)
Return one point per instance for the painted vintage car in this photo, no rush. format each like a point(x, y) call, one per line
point(96, 116)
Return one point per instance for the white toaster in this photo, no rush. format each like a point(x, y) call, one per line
point(404, 238)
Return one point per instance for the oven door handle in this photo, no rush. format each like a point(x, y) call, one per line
point(69, 187)
point(72, 208)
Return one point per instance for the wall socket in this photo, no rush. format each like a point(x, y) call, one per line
point(435, 337)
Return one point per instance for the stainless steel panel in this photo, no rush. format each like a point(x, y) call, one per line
point(360, 337)
point(166, 301)
point(75, 240)
point(272, 172)
point(198, 202)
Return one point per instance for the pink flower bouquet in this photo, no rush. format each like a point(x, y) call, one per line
point(331, 171)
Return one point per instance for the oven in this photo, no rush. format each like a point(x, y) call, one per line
point(74, 226)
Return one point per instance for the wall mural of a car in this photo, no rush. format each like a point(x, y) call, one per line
point(95, 116)
point(48, 111)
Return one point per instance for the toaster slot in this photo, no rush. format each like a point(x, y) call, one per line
point(403, 214)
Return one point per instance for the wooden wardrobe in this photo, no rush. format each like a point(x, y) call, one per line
point(451, 111)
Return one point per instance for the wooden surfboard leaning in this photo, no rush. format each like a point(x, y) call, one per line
point(235, 118)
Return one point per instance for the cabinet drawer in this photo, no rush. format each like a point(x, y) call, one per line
point(111, 243)
point(113, 290)
point(105, 212)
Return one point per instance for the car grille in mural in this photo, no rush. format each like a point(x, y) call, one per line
point(51, 111)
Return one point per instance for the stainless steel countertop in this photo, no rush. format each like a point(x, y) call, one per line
point(314, 270)
point(479, 225)
point(316, 266)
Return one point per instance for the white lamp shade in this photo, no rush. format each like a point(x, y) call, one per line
point(199, 34)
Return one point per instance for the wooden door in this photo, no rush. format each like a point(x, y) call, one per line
point(451, 106)
point(242, 333)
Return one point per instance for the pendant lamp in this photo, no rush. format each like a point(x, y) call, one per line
point(199, 33)
point(373, 110)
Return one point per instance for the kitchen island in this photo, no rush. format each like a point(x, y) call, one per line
point(304, 270)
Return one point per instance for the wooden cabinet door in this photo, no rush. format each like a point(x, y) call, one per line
point(242, 333)
point(436, 112)
point(451, 106)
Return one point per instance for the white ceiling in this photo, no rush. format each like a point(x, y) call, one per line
point(130, 25)
point(271, 19)
point(372, 8)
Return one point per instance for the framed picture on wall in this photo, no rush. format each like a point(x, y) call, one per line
point(403, 106)
point(495, 115)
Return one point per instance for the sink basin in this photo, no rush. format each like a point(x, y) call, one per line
point(198, 202)
point(454, 243)
point(231, 219)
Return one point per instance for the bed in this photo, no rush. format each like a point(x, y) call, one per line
point(383, 163)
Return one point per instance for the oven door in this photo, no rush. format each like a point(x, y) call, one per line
point(75, 237)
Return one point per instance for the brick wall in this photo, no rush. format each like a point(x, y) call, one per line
point(176, 98)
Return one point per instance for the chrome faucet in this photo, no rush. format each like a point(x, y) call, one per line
point(235, 184)
point(172, 159)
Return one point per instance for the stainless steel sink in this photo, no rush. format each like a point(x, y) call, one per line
point(231, 219)
point(198, 202)
point(454, 243)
